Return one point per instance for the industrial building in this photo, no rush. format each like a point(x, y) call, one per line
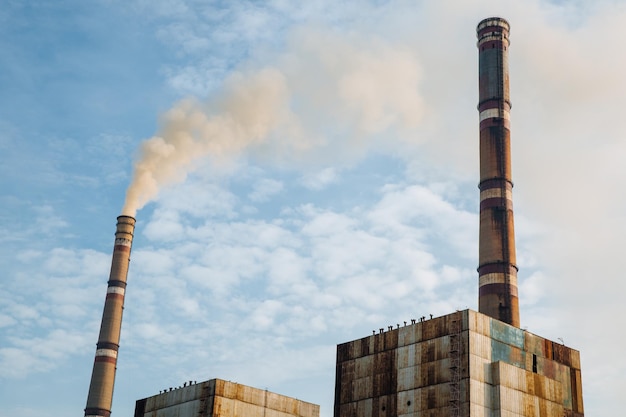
point(464, 364)
point(468, 363)
point(219, 398)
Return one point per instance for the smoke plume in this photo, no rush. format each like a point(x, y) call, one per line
point(325, 95)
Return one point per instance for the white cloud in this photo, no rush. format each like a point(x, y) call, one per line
point(214, 281)
point(264, 189)
point(48, 221)
point(319, 180)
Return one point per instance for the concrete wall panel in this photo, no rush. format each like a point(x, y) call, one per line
point(481, 394)
point(509, 376)
point(232, 400)
point(362, 388)
point(407, 356)
point(179, 410)
point(409, 334)
point(534, 344)
point(480, 369)
point(506, 353)
point(507, 334)
point(477, 410)
point(409, 378)
point(480, 345)
point(363, 366)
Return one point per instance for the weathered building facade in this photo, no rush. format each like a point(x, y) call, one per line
point(469, 364)
point(459, 365)
point(219, 398)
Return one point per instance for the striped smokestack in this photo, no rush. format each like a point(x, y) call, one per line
point(497, 270)
point(100, 395)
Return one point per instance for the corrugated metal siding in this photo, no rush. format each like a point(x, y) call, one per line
point(226, 399)
point(508, 334)
point(391, 340)
point(547, 347)
point(422, 399)
point(481, 394)
point(409, 335)
point(177, 396)
point(363, 366)
point(561, 354)
point(347, 409)
point(357, 348)
point(409, 378)
point(364, 408)
point(424, 374)
point(577, 391)
point(479, 323)
point(407, 356)
point(550, 409)
point(534, 344)
point(542, 370)
point(526, 394)
point(346, 381)
point(507, 353)
point(306, 409)
point(379, 342)
point(421, 360)
point(546, 367)
point(362, 388)
point(563, 376)
point(427, 351)
point(384, 406)
point(186, 409)
point(477, 410)
point(575, 358)
point(369, 376)
point(509, 376)
point(413, 371)
point(528, 382)
point(508, 399)
point(480, 345)
point(519, 404)
point(480, 369)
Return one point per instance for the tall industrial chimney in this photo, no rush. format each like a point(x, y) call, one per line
point(100, 395)
point(497, 269)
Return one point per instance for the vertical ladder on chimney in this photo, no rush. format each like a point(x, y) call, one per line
point(455, 364)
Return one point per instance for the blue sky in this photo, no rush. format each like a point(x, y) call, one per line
point(331, 189)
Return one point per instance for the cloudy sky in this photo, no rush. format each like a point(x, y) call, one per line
point(307, 173)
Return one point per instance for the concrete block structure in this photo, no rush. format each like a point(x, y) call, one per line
point(459, 365)
point(219, 398)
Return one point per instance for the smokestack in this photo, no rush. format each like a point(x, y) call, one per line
point(100, 395)
point(497, 270)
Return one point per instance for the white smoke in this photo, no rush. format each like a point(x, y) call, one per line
point(286, 112)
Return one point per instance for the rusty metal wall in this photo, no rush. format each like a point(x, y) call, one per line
point(402, 371)
point(504, 371)
point(533, 376)
point(219, 398)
